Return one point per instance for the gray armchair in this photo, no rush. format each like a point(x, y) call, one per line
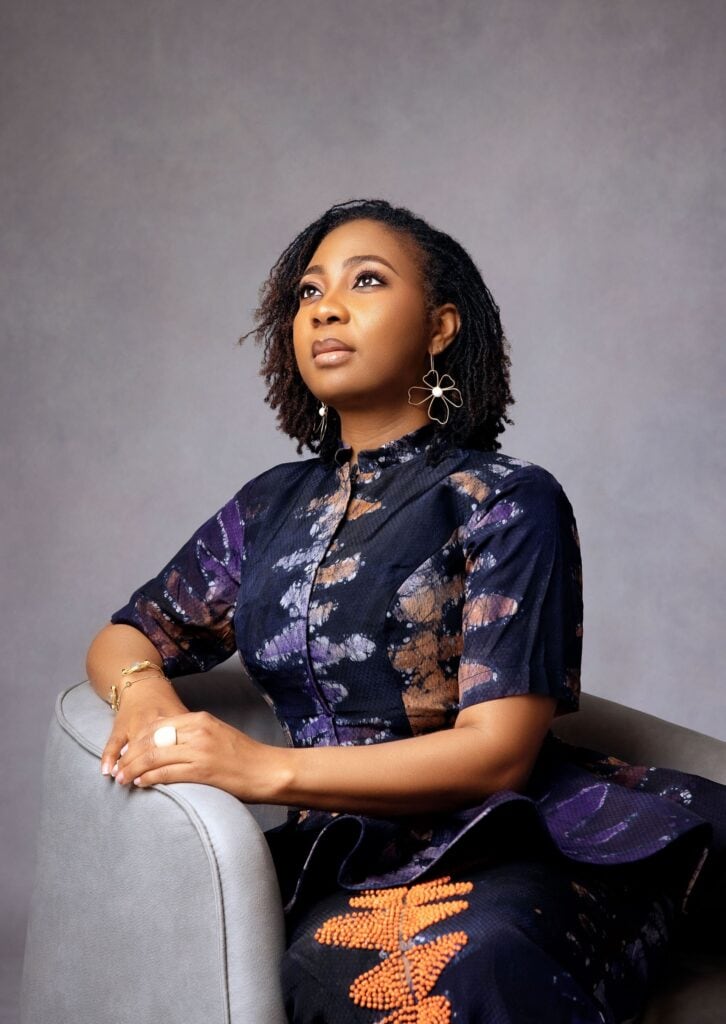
point(163, 904)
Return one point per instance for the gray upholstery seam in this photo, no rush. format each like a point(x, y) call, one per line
point(200, 829)
point(66, 725)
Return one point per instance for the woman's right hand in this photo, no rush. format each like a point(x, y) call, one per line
point(141, 705)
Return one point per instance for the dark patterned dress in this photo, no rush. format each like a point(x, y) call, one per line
point(370, 604)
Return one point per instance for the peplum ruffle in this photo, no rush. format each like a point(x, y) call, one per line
point(581, 804)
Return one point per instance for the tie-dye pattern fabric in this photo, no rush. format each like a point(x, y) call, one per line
point(371, 604)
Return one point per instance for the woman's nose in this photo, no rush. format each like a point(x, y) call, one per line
point(326, 317)
point(329, 306)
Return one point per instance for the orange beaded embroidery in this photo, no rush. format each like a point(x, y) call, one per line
point(390, 921)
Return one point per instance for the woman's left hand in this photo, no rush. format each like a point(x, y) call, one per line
point(207, 751)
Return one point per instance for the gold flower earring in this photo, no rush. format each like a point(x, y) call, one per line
point(438, 389)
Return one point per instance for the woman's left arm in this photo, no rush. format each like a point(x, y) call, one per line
point(492, 746)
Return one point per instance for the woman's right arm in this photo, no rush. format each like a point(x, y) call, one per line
point(181, 620)
point(151, 696)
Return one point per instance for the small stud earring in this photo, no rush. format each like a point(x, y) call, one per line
point(323, 414)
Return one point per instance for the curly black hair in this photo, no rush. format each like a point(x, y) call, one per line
point(477, 359)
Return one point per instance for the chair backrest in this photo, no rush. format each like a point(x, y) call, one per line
point(641, 738)
point(228, 692)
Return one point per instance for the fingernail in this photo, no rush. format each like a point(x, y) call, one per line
point(104, 769)
point(123, 750)
point(120, 777)
point(137, 782)
point(114, 770)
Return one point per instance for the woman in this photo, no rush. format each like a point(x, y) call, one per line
point(410, 602)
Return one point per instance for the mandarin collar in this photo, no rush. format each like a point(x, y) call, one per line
point(399, 449)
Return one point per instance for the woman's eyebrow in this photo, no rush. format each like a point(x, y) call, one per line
point(319, 269)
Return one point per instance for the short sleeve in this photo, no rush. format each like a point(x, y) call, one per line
point(522, 613)
point(187, 610)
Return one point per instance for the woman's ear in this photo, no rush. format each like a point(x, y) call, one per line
point(446, 324)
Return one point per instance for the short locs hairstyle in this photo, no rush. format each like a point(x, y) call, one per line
point(477, 359)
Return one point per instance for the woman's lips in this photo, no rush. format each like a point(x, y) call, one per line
point(330, 350)
point(332, 356)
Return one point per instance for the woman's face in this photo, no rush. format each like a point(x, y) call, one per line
point(362, 287)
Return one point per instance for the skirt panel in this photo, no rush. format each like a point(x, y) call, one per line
point(518, 941)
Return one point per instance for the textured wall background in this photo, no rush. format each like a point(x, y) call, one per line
point(157, 157)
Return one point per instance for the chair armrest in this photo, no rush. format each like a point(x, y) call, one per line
point(148, 905)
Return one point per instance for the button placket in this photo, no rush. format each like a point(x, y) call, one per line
point(348, 477)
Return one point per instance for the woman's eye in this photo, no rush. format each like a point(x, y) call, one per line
point(362, 276)
point(369, 273)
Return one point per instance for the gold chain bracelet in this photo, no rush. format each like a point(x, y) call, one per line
point(114, 694)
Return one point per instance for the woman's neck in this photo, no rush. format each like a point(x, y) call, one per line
point(362, 432)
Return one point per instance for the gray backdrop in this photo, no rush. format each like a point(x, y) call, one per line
point(157, 157)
